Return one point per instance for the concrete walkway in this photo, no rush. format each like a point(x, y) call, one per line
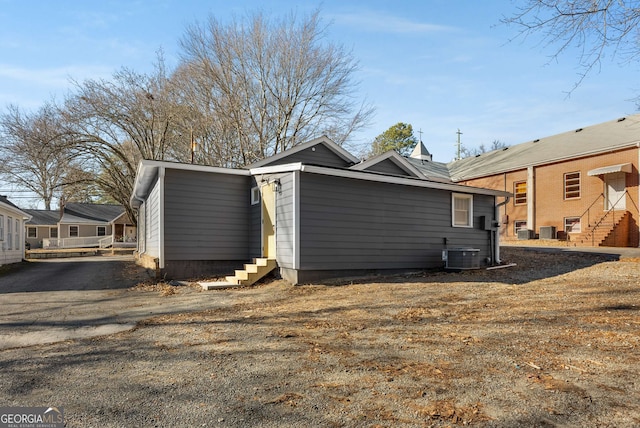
point(623, 252)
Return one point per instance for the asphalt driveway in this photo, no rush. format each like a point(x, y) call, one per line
point(54, 300)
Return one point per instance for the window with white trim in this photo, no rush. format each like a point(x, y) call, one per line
point(461, 210)
point(73, 231)
point(572, 225)
point(53, 232)
point(16, 230)
point(32, 232)
point(572, 185)
point(1, 228)
point(9, 233)
point(520, 193)
point(101, 230)
point(255, 195)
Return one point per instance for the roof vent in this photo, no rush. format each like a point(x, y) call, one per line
point(536, 140)
point(579, 129)
point(621, 119)
point(506, 148)
point(478, 155)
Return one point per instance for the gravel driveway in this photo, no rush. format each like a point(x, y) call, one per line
point(552, 342)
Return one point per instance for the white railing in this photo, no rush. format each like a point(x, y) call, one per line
point(87, 241)
point(106, 242)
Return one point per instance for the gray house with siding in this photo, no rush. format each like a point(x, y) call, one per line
point(316, 210)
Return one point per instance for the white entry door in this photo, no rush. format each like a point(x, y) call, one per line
point(615, 186)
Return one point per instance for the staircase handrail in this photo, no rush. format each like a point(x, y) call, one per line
point(610, 210)
point(589, 209)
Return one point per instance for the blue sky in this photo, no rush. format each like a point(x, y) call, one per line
point(438, 65)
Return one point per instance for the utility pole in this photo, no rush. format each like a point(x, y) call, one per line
point(459, 146)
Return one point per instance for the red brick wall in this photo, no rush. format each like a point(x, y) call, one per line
point(550, 206)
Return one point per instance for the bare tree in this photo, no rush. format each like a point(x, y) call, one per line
point(270, 84)
point(114, 124)
point(593, 26)
point(32, 154)
point(495, 145)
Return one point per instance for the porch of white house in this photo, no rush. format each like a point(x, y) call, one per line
point(117, 239)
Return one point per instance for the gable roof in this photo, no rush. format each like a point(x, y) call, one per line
point(389, 156)
point(74, 212)
point(378, 178)
point(10, 206)
point(581, 142)
point(43, 217)
point(324, 140)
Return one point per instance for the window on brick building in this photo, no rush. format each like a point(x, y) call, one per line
point(572, 224)
point(572, 185)
point(519, 225)
point(520, 192)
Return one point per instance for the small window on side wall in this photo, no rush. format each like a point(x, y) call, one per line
point(572, 225)
point(462, 210)
point(520, 193)
point(519, 225)
point(73, 232)
point(32, 232)
point(102, 231)
point(572, 185)
point(255, 195)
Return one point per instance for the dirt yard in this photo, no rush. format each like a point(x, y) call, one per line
point(552, 342)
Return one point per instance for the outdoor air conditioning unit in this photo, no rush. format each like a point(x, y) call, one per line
point(547, 232)
point(525, 234)
point(461, 258)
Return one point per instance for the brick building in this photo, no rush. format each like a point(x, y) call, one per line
point(580, 186)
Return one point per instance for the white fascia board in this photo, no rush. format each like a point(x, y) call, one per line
point(415, 182)
point(274, 169)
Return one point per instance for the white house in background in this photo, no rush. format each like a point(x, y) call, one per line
point(12, 220)
point(78, 225)
point(43, 225)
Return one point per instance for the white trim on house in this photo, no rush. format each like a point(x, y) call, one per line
point(296, 219)
point(255, 195)
point(462, 196)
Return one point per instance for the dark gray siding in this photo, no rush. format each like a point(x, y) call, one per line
point(285, 222)
point(255, 233)
point(387, 166)
point(315, 155)
point(207, 216)
point(356, 224)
